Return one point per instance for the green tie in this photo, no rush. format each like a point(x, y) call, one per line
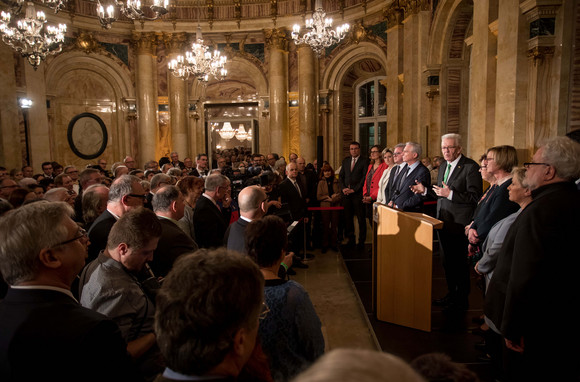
point(446, 175)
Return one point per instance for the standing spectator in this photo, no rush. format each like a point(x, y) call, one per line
point(129, 163)
point(352, 178)
point(41, 252)
point(372, 179)
point(95, 200)
point(201, 170)
point(412, 172)
point(390, 161)
point(87, 177)
point(329, 195)
point(191, 187)
point(47, 170)
point(210, 221)
point(531, 297)
point(111, 286)
point(175, 162)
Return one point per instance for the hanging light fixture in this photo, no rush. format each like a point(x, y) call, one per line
point(227, 132)
point(199, 62)
point(29, 35)
point(319, 33)
point(131, 9)
point(241, 134)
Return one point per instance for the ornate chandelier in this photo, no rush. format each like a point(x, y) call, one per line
point(132, 9)
point(319, 33)
point(241, 134)
point(30, 36)
point(227, 132)
point(199, 62)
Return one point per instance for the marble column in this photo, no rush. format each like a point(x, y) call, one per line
point(512, 75)
point(325, 97)
point(277, 42)
point(482, 80)
point(10, 147)
point(394, 68)
point(146, 84)
point(39, 135)
point(544, 73)
point(177, 89)
point(307, 91)
point(415, 43)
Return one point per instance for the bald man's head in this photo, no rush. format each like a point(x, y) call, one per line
point(250, 200)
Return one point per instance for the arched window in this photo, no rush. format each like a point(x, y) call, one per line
point(371, 113)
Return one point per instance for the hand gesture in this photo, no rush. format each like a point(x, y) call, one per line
point(442, 191)
point(417, 188)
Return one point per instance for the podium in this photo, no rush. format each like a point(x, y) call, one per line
point(402, 266)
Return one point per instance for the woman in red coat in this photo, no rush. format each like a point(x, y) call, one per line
point(371, 186)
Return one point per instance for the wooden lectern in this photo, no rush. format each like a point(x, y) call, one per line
point(402, 266)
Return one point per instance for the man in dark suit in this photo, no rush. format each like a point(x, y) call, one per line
point(352, 178)
point(157, 181)
point(126, 193)
point(411, 173)
point(533, 294)
point(209, 220)
point(252, 201)
point(169, 205)
point(41, 252)
point(175, 162)
point(459, 187)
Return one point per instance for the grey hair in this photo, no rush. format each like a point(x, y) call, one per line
point(342, 365)
point(416, 148)
point(212, 182)
point(122, 186)
point(174, 171)
point(52, 195)
point(159, 178)
point(91, 202)
point(456, 138)
point(24, 232)
point(564, 155)
point(401, 145)
point(164, 197)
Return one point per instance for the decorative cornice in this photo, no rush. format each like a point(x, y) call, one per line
point(144, 43)
point(174, 42)
point(540, 52)
point(87, 43)
point(394, 15)
point(210, 12)
point(412, 7)
point(276, 38)
point(274, 10)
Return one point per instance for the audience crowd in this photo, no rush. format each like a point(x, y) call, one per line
point(179, 270)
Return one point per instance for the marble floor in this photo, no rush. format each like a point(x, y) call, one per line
point(343, 317)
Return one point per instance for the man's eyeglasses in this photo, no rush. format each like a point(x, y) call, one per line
point(138, 196)
point(81, 234)
point(445, 148)
point(528, 164)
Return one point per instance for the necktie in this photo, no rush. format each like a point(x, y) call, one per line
point(402, 176)
point(352, 163)
point(297, 187)
point(447, 171)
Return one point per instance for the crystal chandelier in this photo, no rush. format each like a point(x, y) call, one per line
point(199, 62)
point(30, 36)
point(241, 134)
point(227, 132)
point(319, 33)
point(132, 9)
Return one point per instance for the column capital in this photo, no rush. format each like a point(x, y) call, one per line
point(174, 42)
point(412, 7)
point(277, 38)
point(394, 15)
point(144, 43)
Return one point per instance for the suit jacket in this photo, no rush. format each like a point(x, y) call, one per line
point(235, 237)
point(41, 329)
point(354, 179)
point(323, 192)
point(210, 223)
point(467, 186)
point(99, 233)
point(534, 293)
point(401, 193)
point(289, 194)
point(172, 244)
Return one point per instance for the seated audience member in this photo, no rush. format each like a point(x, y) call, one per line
point(95, 200)
point(111, 285)
point(291, 334)
point(46, 334)
point(347, 365)
point(440, 367)
point(37, 189)
point(65, 181)
point(16, 174)
point(168, 205)
point(207, 316)
point(191, 187)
